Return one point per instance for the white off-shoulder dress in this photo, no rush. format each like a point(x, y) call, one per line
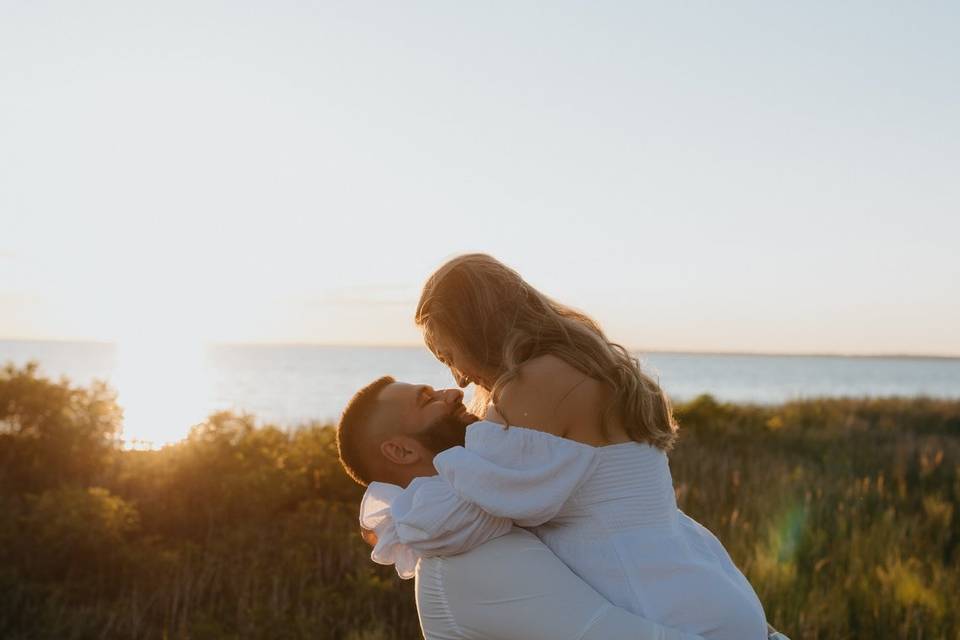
point(609, 513)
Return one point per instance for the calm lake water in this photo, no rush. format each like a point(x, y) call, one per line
point(166, 388)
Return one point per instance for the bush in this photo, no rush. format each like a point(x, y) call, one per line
point(51, 433)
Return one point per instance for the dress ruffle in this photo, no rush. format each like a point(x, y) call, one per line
point(376, 516)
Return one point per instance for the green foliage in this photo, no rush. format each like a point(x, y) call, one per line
point(80, 530)
point(842, 512)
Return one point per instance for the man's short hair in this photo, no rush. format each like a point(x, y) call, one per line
point(354, 431)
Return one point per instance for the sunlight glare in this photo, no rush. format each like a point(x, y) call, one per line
point(163, 386)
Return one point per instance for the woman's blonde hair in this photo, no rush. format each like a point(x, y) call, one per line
point(493, 315)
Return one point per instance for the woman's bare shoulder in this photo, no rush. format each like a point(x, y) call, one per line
point(533, 397)
point(548, 367)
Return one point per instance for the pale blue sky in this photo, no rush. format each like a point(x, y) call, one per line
point(753, 176)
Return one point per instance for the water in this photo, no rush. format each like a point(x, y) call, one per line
point(166, 388)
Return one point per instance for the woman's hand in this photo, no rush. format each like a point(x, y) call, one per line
point(369, 536)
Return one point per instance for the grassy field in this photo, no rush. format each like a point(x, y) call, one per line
point(842, 512)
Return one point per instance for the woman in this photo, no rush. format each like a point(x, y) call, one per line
point(482, 320)
point(583, 464)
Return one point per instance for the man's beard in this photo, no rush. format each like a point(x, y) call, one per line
point(448, 431)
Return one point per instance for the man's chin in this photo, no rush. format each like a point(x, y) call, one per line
point(449, 431)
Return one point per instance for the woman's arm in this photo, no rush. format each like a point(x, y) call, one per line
point(425, 519)
point(501, 477)
point(521, 474)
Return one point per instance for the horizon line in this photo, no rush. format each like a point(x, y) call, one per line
point(409, 345)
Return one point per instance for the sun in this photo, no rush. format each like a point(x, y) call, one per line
point(164, 386)
point(162, 324)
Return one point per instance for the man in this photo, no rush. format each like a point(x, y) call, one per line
point(509, 588)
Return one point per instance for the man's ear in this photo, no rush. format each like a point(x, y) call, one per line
point(400, 450)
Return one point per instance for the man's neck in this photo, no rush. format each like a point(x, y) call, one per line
point(404, 475)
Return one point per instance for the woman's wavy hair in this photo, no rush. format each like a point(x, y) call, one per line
point(500, 321)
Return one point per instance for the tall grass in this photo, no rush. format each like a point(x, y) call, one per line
point(842, 512)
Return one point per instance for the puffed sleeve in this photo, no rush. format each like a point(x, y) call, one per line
point(425, 519)
point(375, 516)
point(517, 473)
point(501, 477)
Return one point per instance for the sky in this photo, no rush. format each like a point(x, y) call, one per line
point(755, 176)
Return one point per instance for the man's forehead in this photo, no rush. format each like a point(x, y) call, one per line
point(397, 392)
point(392, 409)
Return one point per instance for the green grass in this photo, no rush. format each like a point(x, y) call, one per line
point(842, 512)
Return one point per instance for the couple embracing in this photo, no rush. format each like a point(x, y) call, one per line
point(547, 511)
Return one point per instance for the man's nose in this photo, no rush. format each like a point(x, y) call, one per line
point(453, 396)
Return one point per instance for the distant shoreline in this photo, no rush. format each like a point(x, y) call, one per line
point(679, 352)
